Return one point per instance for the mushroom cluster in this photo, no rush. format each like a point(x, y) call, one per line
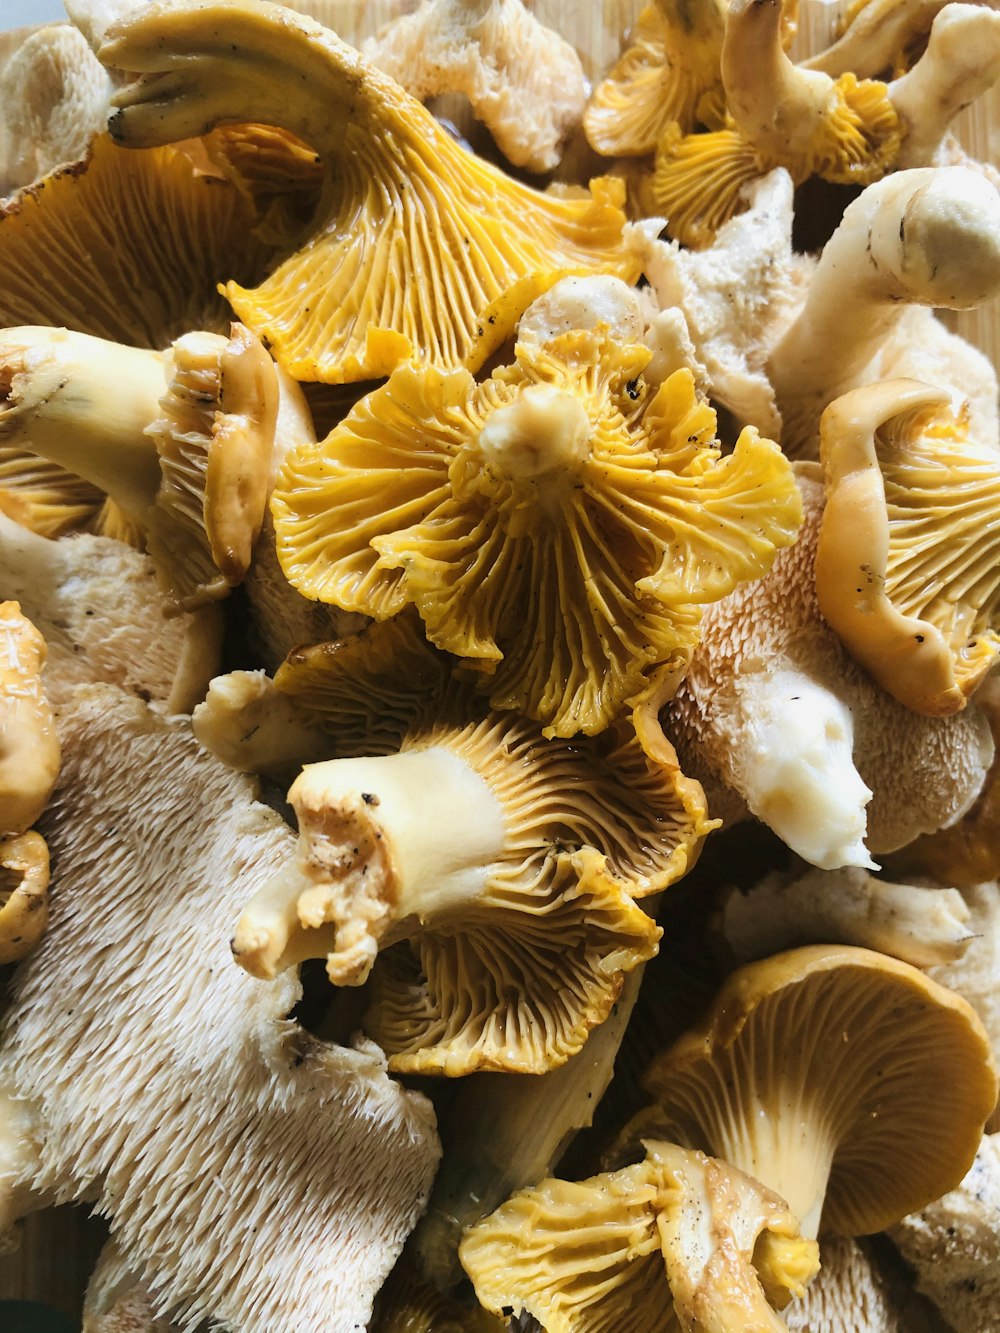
point(499, 723)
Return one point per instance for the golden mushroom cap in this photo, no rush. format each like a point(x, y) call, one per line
point(838, 1057)
point(908, 559)
point(557, 526)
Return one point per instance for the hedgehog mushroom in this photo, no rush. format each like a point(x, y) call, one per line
point(670, 72)
point(679, 1240)
point(522, 79)
point(908, 557)
point(182, 441)
point(415, 244)
point(848, 1082)
point(252, 1175)
point(509, 832)
point(775, 714)
point(557, 526)
point(55, 94)
point(928, 236)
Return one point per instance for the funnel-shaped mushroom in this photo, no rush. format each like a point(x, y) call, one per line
point(557, 526)
point(926, 237)
point(670, 72)
point(845, 130)
point(846, 1081)
point(127, 246)
point(180, 440)
point(253, 1176)
point(415, 240)
point(522, 79)
point(680, 1240)
point(503, 865)
point(908, 558)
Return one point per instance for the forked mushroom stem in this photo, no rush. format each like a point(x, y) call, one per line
point(962, 61)
point(777, 106)
point(84, 403)
point(384, 843)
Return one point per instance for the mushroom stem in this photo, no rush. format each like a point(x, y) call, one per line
point(796, 768)
point(385, 844)
point(776, 106)
point(83, 403)
point(876, 37)
point(962, 61)
point(543, 434)
point(925, 236)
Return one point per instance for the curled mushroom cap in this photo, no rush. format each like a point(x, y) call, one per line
point(846, 1081)
point(670, 72)
point(523, 80)
point(557, 526)
point(502, 865)
point(253, 1176)
point(415, 241)
point(680, 1237)
point(29, 746)
point(845, 130)
point(908, 558)
point(181, 440)
point(127, 246)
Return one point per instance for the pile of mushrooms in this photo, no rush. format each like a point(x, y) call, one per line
point(500, 747)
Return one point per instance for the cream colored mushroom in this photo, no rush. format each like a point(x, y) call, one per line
point(29, 746)
point(24, 882)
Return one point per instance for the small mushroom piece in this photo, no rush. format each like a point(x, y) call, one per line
point(845, 130)
point(775, 712)
point(523, 80)
point(416, 241)
point(97, 604)
point(29, 745)
point(558, 526)
point(181, 441)
point(928, 236)
point(24, 904)
point(457, 841)
point(680, 1240)
point(253, 1176)
point(117, 1302)
point(908, 558)
point(953, 1244)
point(848, 1082)
point(670, 72)
point(55, 93)
point(918, 924)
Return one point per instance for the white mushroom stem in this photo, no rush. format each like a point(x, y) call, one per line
point(543, 434)
point(927, 237)
point(962, 61)
point(84, 403)
point(247, 722)
point(777, 107)
point(880, 30)
point(919, 925)
point(796, 768)
point(384, 844)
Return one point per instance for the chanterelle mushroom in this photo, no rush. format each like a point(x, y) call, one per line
point(680, 1237)
point(846, 1081)
point(415, 240)
point(181, 440)
point(251, 1174)
point(501, 865)
point(523, 80)
point(29, 746)
point(908, 557)
point(774, 709)
point(558, 526)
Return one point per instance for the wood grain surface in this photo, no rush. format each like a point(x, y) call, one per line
point(59, 1246)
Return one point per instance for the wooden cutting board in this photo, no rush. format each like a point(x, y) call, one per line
point(59, 1246)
